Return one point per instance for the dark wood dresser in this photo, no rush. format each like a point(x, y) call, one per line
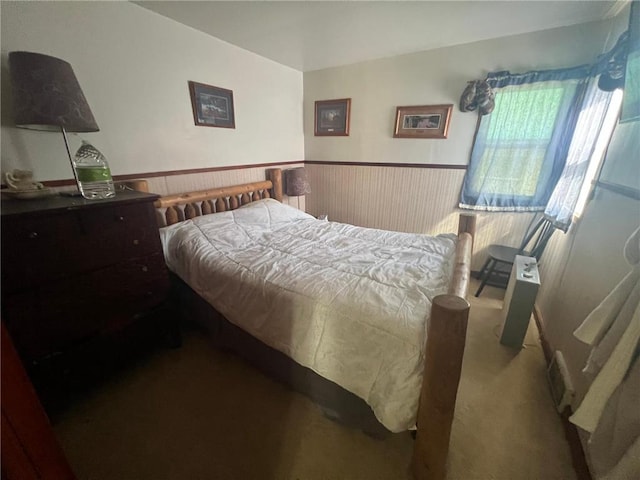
point(74, 269)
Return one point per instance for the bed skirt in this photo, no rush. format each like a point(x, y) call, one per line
point(336, 402)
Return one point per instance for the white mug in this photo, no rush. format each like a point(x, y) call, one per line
point(22, 180)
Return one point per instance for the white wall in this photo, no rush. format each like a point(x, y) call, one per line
point(429, 78)
point(582, 267)
point(621, 166)
point(416, 199)
point(133, 66)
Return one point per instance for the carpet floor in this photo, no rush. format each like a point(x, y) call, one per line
point(196, 413)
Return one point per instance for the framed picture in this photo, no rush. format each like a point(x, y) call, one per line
point(424, 121)
point(332, 117)
point(212, 106)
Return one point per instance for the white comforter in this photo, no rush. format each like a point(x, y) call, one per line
point(350, 303)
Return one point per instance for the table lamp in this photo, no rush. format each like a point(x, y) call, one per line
point(47, 96)
point(296, 182)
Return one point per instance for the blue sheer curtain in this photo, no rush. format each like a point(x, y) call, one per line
point(520, 149)
point(593, 107)
point(631, 100)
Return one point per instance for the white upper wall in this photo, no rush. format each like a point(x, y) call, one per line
point(133, 66)
point(312, 35)
point(430, 78)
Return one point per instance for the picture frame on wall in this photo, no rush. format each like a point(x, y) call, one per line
point(423, 121)
point(332, 117)
point(212, 106)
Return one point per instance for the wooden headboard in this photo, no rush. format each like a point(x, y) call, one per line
point(183, 206)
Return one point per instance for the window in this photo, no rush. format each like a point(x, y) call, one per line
point(545, 139)
point(519, 150)
point(594, 160)
point(515, 141)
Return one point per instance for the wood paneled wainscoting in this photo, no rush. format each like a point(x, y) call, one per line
point(405, 198)
point(189, 180)
point(417, 198)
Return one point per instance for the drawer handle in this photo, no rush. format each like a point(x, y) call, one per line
point(145, 269)
point(136, 242)
point(33, 235)
point(120, 218)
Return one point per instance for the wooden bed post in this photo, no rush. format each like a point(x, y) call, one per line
point(467, 224)
point(443, 365)
point(446, 338)
point(275, 175)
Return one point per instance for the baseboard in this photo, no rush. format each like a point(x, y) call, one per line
point(578, 457)
point(546, 348)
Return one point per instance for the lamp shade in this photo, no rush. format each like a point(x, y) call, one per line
point(47, 95)
point(296, 182)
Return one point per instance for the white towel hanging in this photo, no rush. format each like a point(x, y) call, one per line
point(613, 329)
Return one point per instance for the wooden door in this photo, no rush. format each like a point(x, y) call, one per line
point(30, 449)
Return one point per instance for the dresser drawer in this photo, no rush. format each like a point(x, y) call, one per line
point(117, 233)
point(41, 249)
point(74, 269)
point(133, 287)
point(55, 317)
point(38, 249)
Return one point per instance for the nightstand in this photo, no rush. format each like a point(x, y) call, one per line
point(74, 270)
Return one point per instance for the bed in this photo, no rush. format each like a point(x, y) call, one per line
point(342, 313)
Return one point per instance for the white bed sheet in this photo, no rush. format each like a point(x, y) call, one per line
point(348, 302)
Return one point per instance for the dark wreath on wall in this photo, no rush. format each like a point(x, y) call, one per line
point(212, 106)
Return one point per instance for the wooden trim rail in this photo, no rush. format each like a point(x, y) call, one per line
point(445, 166)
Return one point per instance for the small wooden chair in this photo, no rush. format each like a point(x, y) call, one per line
point(496, 270)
